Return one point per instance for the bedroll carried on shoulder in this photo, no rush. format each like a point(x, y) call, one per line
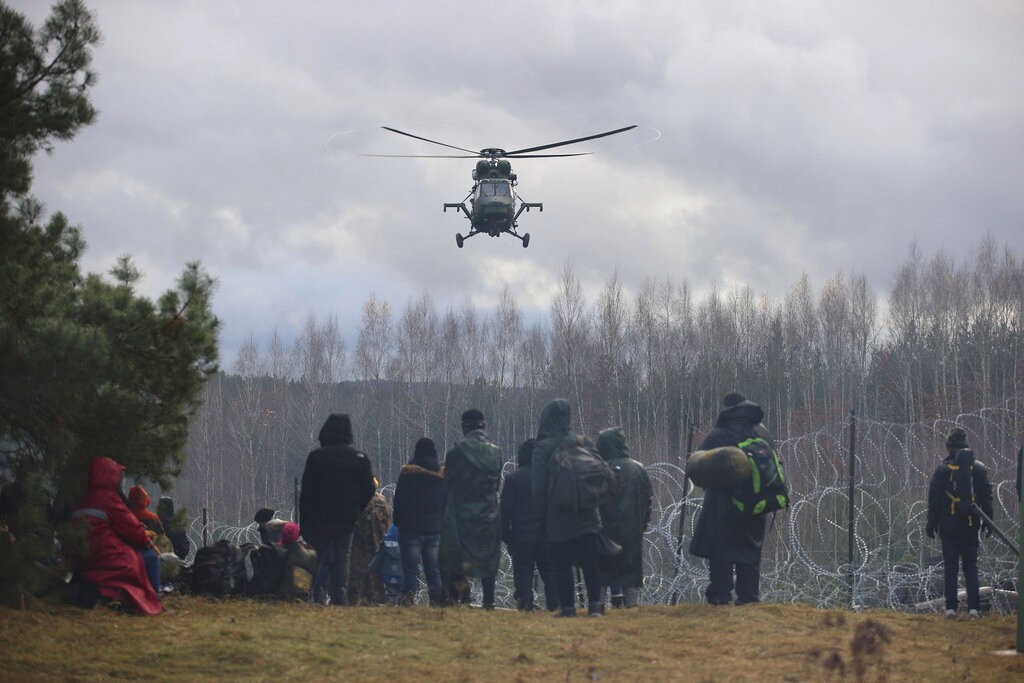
point(765, 490)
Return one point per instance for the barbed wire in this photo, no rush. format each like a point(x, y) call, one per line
point(806, 558)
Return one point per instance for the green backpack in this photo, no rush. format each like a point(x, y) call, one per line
point(581, 478)
point(765, 490)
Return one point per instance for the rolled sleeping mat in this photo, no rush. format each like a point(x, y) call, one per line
point(718, 468)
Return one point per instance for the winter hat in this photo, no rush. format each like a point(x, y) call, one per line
point(473, 419)
point(957, 439)
point(263, 515)
point(733, 398)
point(290, 533)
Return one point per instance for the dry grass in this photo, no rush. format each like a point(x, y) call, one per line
point(198, 639)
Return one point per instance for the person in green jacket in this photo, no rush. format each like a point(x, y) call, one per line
point(572, 533)
point(471, 527)
point(626, 519)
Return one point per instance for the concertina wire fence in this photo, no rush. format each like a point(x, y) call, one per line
point(806, 555)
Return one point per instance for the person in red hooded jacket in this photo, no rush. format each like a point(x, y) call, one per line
point(114, 539)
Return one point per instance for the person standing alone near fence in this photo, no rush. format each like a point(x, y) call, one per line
point(958, 487)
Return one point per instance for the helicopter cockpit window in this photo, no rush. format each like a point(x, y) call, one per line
point(495, 190)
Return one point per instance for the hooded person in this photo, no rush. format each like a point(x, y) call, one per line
point(418, 511)
point(337, 483)
point(138, 503)
point(471, 527)
point(729, 540)
point(626, 519)
point(114, 539)
point(958, 485)
point(520, 530)
point(571, 533)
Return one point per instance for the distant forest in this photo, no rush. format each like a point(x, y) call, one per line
point(947, 339)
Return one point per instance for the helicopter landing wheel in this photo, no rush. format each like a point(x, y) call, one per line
point(459, 239)
point(526, 240)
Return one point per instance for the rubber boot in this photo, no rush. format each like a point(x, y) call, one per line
point(595, 609)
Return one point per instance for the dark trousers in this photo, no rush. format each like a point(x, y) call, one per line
point(720, 585)
point(331, 580)
point(414, 549)
point(582, 551)
point(964, 549)
point(529, 558)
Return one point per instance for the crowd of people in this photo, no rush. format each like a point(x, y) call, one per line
point(449, 519)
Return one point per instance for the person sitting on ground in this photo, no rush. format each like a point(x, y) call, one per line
point(138, 503)
point(299, 566)
point(268, 526)
point(113, 540)
point(174, 526)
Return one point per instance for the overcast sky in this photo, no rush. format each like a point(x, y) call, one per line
point(773, 139)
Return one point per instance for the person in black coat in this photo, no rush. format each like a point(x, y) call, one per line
point(958, 525)
point(337, 483)
point(520, 530)
point(730, 541)
point(417, 513)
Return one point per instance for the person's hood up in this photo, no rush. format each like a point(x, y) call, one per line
point(105, 474)
point(555, 419)
point(525, 455)
point(745, 412)
point(138, 499)
point(425, 455)
point(611, 444)
point(337, 430)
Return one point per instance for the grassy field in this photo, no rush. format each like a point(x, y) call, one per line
point(198, 639)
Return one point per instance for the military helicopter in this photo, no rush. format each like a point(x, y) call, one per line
point(494, 205)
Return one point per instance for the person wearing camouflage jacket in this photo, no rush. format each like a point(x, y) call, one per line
point(626, 519)
point(471, 527)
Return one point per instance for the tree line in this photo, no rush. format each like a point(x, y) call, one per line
point(946, 339)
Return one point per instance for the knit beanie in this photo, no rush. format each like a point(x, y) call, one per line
point(957, 439)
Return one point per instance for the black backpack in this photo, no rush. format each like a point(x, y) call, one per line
point(959, 488)
point(218, 569)
point(264, 567)
point(581, 478)
point(765, 491)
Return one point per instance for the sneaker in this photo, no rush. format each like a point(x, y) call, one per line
point(973, 614)
point(951, 614)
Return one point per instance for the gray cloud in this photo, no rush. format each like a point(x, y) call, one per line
point(791, 138)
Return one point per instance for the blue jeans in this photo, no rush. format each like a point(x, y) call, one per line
point(152, 561)
point(332, 570)
point(416, 547)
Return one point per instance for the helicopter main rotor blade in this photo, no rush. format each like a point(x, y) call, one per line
point(565, 142)
point(546, 156)
point(435, 142)
point(424, 156)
